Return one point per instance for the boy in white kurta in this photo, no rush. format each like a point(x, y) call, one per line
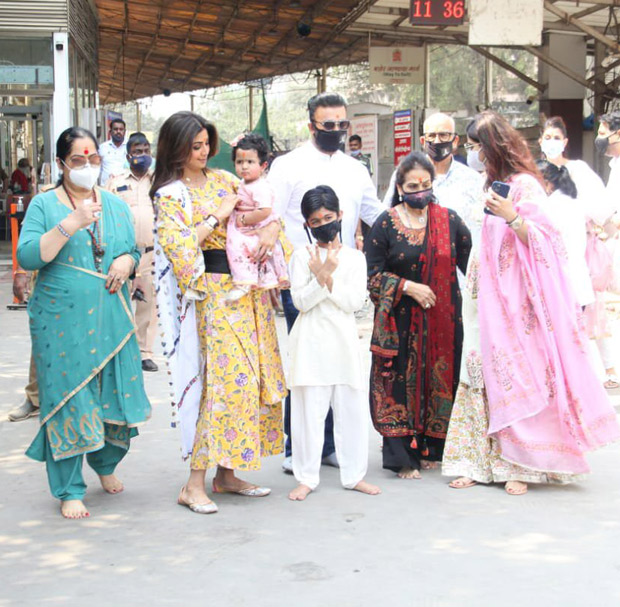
point(328, 283)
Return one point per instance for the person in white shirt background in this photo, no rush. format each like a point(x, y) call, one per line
point(113, 152)
point(321, 161)
point(456, 186)
point(597, 208)
point(328, 283)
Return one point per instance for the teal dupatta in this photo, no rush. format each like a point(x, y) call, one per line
point(83, 338)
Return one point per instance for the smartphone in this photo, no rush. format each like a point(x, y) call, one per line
point(500, 188)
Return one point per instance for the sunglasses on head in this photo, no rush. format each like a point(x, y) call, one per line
point(333, 125)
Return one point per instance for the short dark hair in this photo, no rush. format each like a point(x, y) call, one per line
point(556, 122)
point(118, 121)
point(23, 163)
point(324, 100)
point(136, 139)
point(558, 177)
point(321, 197)
point(612, 119)
point(355, 138)
point(415, 160)
point(253, 141)
point(471, 133)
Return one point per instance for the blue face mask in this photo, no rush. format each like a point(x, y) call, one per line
point(140, 164)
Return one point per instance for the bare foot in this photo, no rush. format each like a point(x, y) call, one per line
point(426, 465)
point(409, 473)
point(364, 487)
point(111, 483)
point(463, 482)
point(300, 493)
point(74, 509)
point(516, 488)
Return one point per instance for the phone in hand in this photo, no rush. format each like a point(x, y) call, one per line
point(500, 188)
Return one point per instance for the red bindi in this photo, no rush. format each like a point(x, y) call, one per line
point(86, 151)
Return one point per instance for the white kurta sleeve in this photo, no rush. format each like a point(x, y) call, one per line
point(370, 207)
point(305, 290)
point(282, 187)
point(349, 287)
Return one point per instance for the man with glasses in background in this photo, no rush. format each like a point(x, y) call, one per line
point(132, 185)
point(456, 186)
point(321, 161)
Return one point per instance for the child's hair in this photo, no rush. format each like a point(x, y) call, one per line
point(558, 177)
point(252, 141)
point(318, 198)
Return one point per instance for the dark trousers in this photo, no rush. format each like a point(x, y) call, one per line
point(291, 313)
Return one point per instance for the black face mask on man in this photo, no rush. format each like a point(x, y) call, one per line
point(602, 144)
point(418, 200)
point(438, 151)
point(330, 141)
point(325, 233)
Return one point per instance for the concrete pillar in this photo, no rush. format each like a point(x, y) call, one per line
point(563, 96)
point(61, 105)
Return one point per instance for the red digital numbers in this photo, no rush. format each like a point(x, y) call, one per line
point(436, 12)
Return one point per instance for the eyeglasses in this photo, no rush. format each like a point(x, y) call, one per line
point(442, 136)
point(78, 162)
point(332, 125)
point(470, 146)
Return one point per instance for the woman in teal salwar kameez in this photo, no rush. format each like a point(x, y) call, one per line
point(81, 240)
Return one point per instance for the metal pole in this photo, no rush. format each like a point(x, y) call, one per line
point(427, 76)
point(488, 89)
point(251, 101)
point(324, 78)
point(139, 117)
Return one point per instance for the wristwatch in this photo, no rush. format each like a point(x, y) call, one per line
point(516, 223)
point(212, 221)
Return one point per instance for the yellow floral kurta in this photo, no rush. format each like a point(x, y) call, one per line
point(240, 416)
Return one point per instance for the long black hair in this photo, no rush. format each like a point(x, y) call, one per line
point(415, 160)
point(558, 177)
point(321, 197)
point(174, 146)
point(64, 144)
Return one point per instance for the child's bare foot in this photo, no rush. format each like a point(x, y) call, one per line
point(409, 473)
point(364, 487)
point(111, 483)
point(300, 493)
point(516, 488)
point(426, 465)
point(74, 509)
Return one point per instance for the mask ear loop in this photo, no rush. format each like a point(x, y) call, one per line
point(308, 233)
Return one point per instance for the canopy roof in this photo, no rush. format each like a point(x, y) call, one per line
point(148, 47)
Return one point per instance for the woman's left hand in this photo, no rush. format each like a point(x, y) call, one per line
point(267, 238)
point(119, 272)
point(502, 207)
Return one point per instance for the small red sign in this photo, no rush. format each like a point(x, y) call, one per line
point(403, 137)
point(436, 12)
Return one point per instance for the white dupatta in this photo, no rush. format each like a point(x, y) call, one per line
point(179, 330)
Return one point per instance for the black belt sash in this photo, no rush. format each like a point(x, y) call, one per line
point(216, 261)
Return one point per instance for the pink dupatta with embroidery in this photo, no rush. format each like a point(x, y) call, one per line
point(546, 405)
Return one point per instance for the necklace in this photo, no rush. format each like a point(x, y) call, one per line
point(191, 182)
point(421, 219)
point(95, 236)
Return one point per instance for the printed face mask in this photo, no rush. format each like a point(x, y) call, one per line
point(552, 148)
point(418, 200)
point(141, 163)
point(474, 162)
point(325, 233)
point(330, 141)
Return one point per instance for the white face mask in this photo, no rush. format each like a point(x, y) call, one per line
point(552, 148)
point(474, 162)
point(86, 177)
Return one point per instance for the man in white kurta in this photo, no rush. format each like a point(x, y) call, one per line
point(326, 365)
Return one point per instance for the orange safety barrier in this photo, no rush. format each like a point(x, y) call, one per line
point(14, 239)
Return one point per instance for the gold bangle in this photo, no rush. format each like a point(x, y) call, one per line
point(359, 238)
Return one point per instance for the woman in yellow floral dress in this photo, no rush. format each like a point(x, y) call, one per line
point(226, 374)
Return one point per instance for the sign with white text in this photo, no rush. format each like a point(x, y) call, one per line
point(396, 65)
point(403, 136)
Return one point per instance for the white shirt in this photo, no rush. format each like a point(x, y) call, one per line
point(113, 160)
point(594, 199)
point(293, 174)
point(613, 185)
point(323, 343)
point(460, 189)
point(568, 217)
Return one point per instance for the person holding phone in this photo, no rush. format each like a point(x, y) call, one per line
point(529, 404)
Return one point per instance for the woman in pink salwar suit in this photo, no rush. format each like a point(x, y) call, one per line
point(543, 404)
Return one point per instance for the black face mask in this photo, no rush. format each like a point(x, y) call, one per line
point(418, 200)
point(325, 233)
point(438, 151)
point(601, 144)
point(330, 141)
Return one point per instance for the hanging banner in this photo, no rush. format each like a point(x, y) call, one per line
point(403, 136)
point(396, 65)
point(366, 128)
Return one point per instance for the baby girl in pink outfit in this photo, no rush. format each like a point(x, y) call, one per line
point(253, 211)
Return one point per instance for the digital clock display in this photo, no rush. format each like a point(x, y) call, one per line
point(436, 12)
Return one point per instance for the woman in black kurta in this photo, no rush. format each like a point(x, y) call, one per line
point(413, 251)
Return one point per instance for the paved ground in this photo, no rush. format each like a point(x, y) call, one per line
point(420, 544)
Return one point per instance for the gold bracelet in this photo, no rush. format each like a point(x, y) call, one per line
point(360, 237)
